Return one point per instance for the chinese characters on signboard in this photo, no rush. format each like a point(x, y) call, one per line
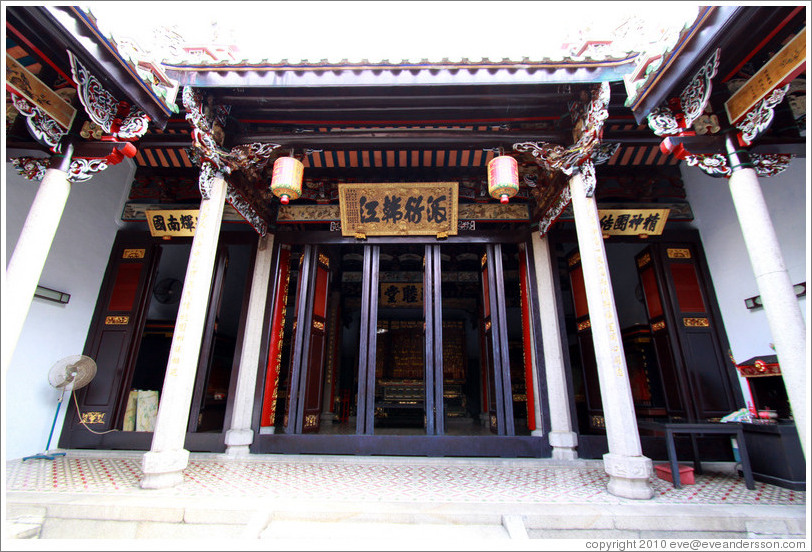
point(782, 67)
point(422, 208)
point(25, 84)
point(172, 222)
point(401, 295)
point(632, 222)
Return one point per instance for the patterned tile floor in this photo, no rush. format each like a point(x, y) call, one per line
point(377, 479)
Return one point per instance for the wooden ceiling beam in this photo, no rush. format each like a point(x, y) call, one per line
point(424, 139)
point(480, 98)
point(456, 115)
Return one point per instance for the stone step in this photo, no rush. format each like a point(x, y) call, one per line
point(39, 515)
point(280, 530)
point(24, 521)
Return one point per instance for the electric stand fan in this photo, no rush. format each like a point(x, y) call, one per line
point(72, 372)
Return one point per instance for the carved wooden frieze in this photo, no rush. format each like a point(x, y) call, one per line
point(43, 128)
point(765, 165)
point(580, 156)
point(588, 130)
point(81, 170)
point(32, 168)
point(554, 210)
point(696, 95)
point(250, 160)
point(604, 152)
point(759, 118)
point(663, 122)
point(246, 210)
point(691, 105)
point(588, 174)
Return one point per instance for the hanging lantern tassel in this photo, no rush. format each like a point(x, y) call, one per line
point(503, 178)
point(286, 182)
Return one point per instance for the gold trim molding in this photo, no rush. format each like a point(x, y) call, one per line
point(696, 322)
point(93, 417)
point(116, 320)
point(643, 261)
point(134, 254)
point(678, 253)
point(311, 420)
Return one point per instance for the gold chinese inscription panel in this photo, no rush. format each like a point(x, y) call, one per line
point(633, 222)
point(176, 222)
point(412, 209)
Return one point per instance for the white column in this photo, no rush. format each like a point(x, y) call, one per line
point(629, 471)
point(777, 295)
point(25, 266)
point(562, 438)
point(163, 465)
point(240, 436)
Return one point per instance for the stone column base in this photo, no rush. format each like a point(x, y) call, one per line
point(163, 469)
point(238, 441)
point(564, 444)
point(629, 476)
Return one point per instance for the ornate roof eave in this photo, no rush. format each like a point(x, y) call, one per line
point(77, 32)
point(682, 61)
point(229, 74)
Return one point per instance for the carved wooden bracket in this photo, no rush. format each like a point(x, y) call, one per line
point(588, 130)
point(42, 126)
point(88, 159)
point(717, 165)
point(693, 102)
point(117, 118)
point(582, 156)
point(759, 118)
point(208, 124)
point(681, 112)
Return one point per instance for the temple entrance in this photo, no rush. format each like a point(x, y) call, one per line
point(398, 341)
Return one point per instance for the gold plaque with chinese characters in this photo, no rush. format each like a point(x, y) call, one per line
point(784, 66)
point(632, 222)
point(401, 295)
point(400, 209)
point(177, 223)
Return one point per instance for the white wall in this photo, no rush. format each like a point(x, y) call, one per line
point(787, 199)
point(75, 265)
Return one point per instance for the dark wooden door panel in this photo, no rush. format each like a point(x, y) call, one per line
point(114, 333)
point(687, 332)
point(709, 385)
point(110, 359)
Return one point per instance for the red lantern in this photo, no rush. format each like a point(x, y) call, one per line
point(503, 178)
point(286, 183)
